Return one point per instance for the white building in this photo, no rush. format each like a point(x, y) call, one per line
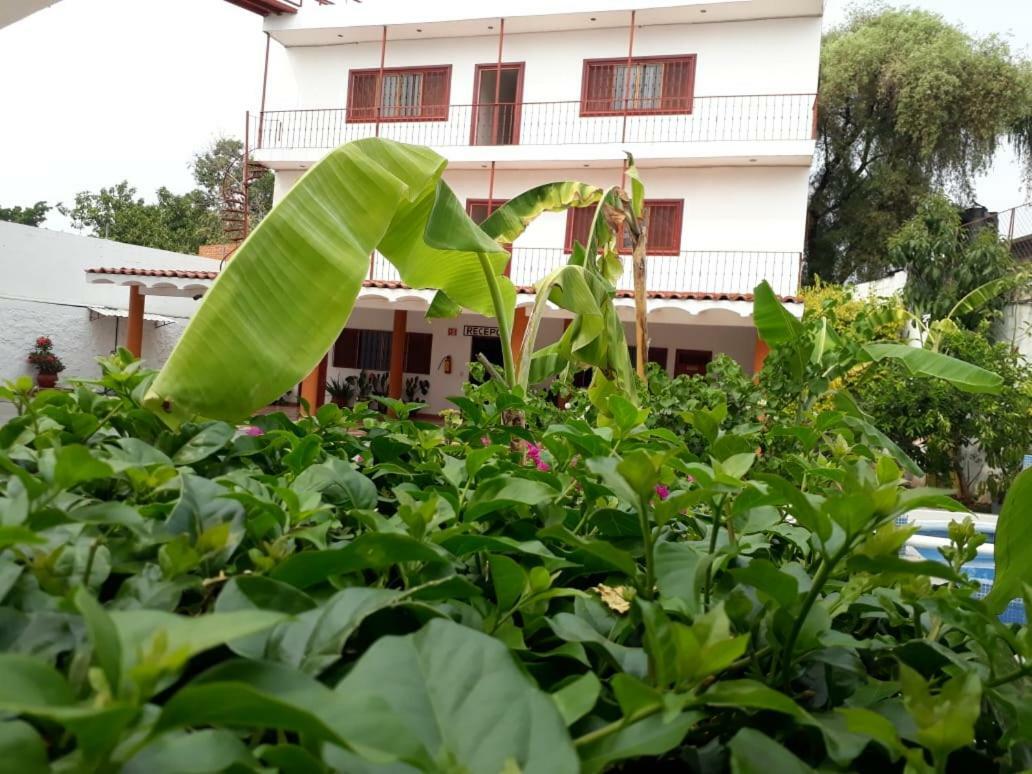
point(716, 101)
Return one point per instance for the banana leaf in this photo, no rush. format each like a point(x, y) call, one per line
point(280, 303)
point(924, 362)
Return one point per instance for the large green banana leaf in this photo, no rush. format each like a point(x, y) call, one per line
point(924, 362)
point(282, 300)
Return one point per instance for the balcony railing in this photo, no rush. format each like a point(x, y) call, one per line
point(740, 118)
point(715, 272)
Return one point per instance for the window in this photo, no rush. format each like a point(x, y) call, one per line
point(649, 85)
point(371, 351)
point(692, 362)
point(417, 352)
point(662, 219)
point(479, 210)
point(657, 355)
point(405, 94)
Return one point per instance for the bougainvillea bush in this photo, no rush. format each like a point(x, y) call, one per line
point(361, 594)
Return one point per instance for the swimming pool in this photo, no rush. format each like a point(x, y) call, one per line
point(933, 534)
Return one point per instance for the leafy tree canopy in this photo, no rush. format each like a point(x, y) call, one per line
point(945, 261)
point(908, 104)
point(178, 222)
point(26, 216)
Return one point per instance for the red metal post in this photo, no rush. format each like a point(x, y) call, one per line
point(265, 84)
point(498, 85)
point(814, 128)
point(379, 79)
point(627, 77)
point(246, 172)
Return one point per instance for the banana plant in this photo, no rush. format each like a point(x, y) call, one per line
point(817, 356)
point(932, 333)
point(277, 307)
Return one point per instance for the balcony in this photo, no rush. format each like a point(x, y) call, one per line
point(690, 272)
point(775, 125)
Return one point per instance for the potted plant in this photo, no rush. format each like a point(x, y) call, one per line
point(416, 389)
point(48, 365)
point(342, 392)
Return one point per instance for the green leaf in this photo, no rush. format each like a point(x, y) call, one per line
point(755, 753)
point(753, 695)
point(107, 648)
point(867, 723)
point(507, 491)
point(508, 579)
point(461, 695)
point(946, 720)
point(774, 323)
point(573, 628)
point(211, 437)
point(13, 536)
point(369, 551)
point(605, 552)
point(924, 362)
point(578, 697)
point(250, 341)
point(769, 581)
point(339, 483)
point(256, 695)
point(1013, 549)
point(900, 566)
point(77, 464)
point(26, 681)
point(22, 750)
point(654, 735)
point(200, 752)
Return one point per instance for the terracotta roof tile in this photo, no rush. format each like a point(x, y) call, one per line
point(679, 295)
point(135, 272)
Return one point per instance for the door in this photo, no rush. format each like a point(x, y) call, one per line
point(489, 346)
point(497, 93)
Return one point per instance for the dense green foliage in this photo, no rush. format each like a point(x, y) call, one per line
point(908, 104)
point(26, 216)
point(945, 262)
point(359, 594)
point(177, 222)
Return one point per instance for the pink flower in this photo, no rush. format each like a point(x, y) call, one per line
point(543, 466)
point(534, 451)
point(358, 459)
point(485, 441)
point(662, 491)
point(253, 430)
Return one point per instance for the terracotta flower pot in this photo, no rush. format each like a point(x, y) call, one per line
point(45, 381)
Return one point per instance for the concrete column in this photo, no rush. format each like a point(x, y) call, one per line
point(761, 352)
point(519, 329)
point(134, 335)
point(396, 382)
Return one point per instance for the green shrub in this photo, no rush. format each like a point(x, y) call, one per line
point(354, 593)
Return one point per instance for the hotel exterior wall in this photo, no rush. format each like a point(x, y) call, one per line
point(769, 56)
point(736, 341)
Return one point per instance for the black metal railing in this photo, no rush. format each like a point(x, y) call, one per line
point(712, 119)
point(717, 272)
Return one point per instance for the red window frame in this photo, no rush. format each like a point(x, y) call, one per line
point(472, 204)
point(676, 97)
point(428, 110)
point(578, 221)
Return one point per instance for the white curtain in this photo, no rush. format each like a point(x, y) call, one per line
point(402, 93)
point(645, 90)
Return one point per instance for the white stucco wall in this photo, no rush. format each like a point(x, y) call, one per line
point(762, 56)
point(43, 291)
point(737, 341)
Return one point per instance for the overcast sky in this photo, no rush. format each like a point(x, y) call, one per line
point(97, 91)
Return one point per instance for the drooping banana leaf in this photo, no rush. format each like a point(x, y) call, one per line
point(282, 300)
point(924, 362)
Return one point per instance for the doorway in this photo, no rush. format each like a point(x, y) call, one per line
point(497, 93)
point(691, 362)
point(489, 346)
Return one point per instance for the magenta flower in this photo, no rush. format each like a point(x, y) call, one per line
point(485, 441)
point(534, 451)
point(662, 491)
point(253, 431)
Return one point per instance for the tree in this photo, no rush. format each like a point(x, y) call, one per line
point(26, 216)
point(220, 171)
point(945, 261)
point(908, 105)
point(181, 223)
